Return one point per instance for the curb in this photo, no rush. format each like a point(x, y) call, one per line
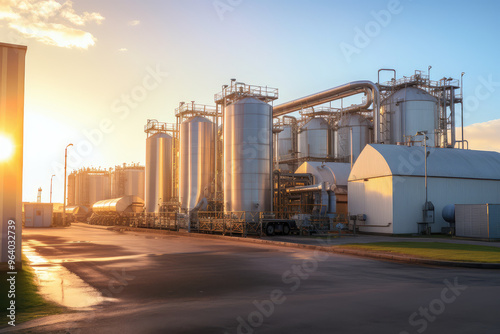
point(329, 249)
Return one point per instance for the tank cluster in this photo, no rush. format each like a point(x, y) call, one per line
point(247, 160)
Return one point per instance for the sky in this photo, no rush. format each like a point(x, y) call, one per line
point(96, 71)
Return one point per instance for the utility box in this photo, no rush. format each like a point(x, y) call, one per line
point(480, 221)
point(38, 215)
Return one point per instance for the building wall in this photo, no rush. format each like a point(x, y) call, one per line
point(12, 65)
point(402, 205)
point(374, 199)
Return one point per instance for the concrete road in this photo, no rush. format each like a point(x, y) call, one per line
point(176, 284)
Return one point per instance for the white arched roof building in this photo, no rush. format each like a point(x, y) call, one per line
point(387, 184)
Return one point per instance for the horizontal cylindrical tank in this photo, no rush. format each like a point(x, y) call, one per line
point(119, 205)
point(360, 135)
point(159, 171)
point(196, 156)
point(316, 139)
point(248, 156)
point(408, 111)
point(449, 213)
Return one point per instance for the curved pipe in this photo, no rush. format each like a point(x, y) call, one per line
point(349, 89)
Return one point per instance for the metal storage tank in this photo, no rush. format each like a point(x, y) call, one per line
point(197, 165)
point(407, 112)
point(159, 171)
point(127, 181)
point(360, 135)
point(316, 139)
point(284, 145)
point(248, 156)
point(99, 187)
point(78, 199)
point(71, 189)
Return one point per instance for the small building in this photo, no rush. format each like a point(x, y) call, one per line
point(38, 214)
point(479, 221)
point(387, 185)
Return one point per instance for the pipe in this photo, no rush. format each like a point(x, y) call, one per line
point(323, 186)
point(349, 89)
point(386, 69)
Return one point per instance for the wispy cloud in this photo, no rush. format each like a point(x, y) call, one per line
point(483, 136)
point(134, 23)
point(49, 22)
point(123, 50)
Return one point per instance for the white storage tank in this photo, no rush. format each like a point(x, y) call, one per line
point(248, 157)
point(316, 139)
point(360, 135)
point(197, 166)
point(407, 112)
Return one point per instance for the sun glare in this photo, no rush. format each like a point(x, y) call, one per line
point(6, 148)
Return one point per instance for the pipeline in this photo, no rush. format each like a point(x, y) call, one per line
point(349, 89)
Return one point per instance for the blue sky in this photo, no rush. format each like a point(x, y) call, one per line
point(291, 45)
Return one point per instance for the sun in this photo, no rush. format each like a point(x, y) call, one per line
point(6, 148)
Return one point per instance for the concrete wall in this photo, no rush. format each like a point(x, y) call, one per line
point(12, 64)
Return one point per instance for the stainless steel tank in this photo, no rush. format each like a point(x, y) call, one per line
point(197, 165)
point(159, 171)
point(360, 135)
point(128, 181)
point(78, 197)
point(407, 112)
point(248, 157)
point(71, 189)
point(316, 139)
point(99, 187)
point(284, 145)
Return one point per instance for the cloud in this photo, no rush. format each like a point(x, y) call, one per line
point(483, 136)
point(49, 22)
point(123, 50)
point(134, 23)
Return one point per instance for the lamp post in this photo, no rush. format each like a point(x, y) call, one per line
point(462, 105)
point(65, 167)
point(51, 187)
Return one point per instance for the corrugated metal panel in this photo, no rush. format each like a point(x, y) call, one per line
point(477, 221)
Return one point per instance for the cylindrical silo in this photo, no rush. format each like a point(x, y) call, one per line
point(316, 139)
point(248, 157)
point(408, 111)
point(284, 145)
point(360, 135)
point(99, 187)
point(71, 189)
point(128, 181)
point(196, 156)
point(159, 171)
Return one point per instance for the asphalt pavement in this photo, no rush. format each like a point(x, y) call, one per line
point(176, 284)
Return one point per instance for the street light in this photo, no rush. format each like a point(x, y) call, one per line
point(462, 104)
point(64, 199)
point(51, 187)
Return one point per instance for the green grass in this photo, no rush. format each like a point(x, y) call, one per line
point(29, 303)
point(434, 250)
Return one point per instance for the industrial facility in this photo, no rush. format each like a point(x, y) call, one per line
point(389, 164)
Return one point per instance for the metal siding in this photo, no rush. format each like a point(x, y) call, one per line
point(494, 215)
point(373, 198)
